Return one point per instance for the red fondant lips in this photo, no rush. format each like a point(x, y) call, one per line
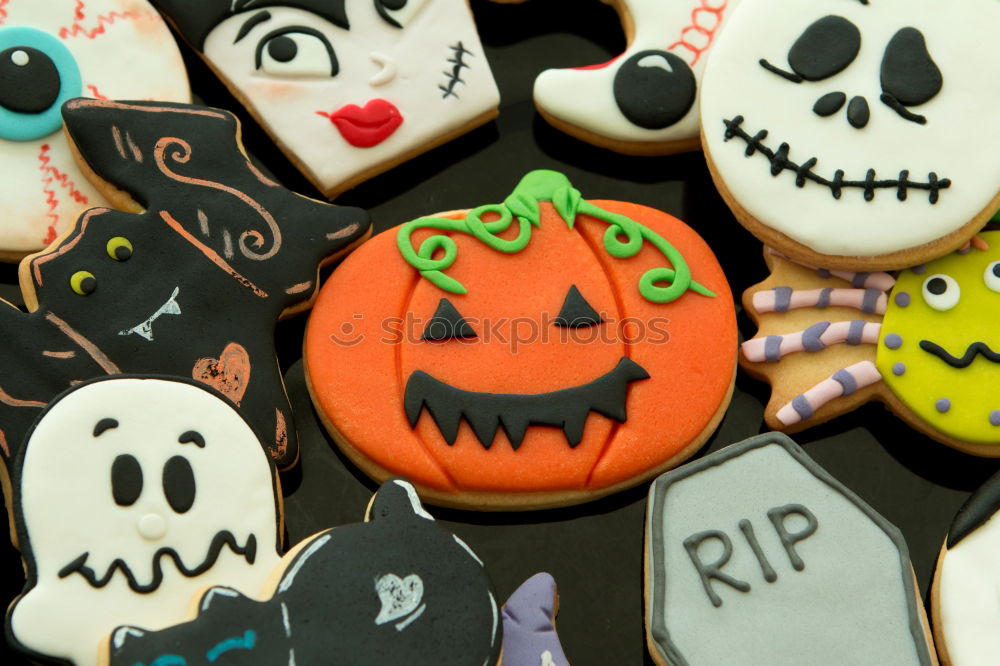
point(368, 126)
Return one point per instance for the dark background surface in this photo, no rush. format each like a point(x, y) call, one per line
point(593, 550)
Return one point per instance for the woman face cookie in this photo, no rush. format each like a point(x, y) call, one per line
point(53, 51)
point(852, 134)
point(133, 494)
point(347, 88)
point(926, 342)
point(542, 351)
point(644, 101)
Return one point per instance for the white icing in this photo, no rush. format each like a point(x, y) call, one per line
point(969, 597)
point(547, 658)
point(399, 597)
point(144, 329)
point(411, 493)
point(467, 549)
point(959, 141)
point(289, 577)
point(419, 54)
point(133, 57)
point(20, 58)
point(848, 605)
point(659, 24)
point(68, 509)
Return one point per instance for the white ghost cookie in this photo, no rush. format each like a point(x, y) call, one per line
point(132, 495)
point(347, 88)
point(52, 51)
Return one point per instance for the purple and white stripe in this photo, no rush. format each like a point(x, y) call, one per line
point(880, 281)
point(817, 337)
point(783, 299)
point(842, 383)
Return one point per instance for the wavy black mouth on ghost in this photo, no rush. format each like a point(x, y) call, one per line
point(223, 538)
point(975, 349)
point(485, 412)
point(804, 172)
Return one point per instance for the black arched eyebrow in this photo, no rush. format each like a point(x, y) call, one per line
point(251, 23)
point(192, 437)
point(104, 425)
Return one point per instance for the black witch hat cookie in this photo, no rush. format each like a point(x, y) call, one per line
point(190, 284)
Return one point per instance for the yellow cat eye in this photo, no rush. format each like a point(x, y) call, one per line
point(83, 282)
point(119, 248)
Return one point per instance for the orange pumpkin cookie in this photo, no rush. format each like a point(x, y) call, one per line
point(540, 352)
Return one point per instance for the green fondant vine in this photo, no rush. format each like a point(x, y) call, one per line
point(522, 204)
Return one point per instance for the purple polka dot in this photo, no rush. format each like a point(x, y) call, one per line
point(943, 405)
point(902, 299)
point(965, 250)
point(898, 369)
point(995, 417)
point(919, 270)
point(893, 341)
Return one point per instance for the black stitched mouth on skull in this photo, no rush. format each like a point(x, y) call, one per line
point(908, 74)
point(223, 538)
point(485, 412)
point(780, 161)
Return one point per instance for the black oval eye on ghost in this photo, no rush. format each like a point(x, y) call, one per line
point(178, 483)
point(126, 480)
point(29, 80)
point(119, 248)
point(296, 52)
point(825, 48)
point(909, 75)
point(83, 283)
point(447, 324)
point(576, 312)
point(654, 89)
point(398, 12)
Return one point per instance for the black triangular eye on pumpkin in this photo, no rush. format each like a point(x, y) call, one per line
point(825, 48)
point(576, 312)
point(447, 324)
point(909, 75)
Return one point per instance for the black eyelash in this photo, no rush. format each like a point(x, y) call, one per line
point(334, 64)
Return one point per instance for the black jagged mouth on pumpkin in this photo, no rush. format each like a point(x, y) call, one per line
point(223, 538)
point(485, 412)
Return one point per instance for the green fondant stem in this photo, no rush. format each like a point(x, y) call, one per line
point(523, 204)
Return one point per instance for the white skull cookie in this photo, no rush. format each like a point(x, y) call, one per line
point(347, 88)
point(133, 494)
point(857, 134)
point(52, 51)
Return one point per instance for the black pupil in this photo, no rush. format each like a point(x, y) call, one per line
point(88, 285)
point(29, 80)
point(825, 48)
point(126, 480)
point(996, 270)
point(122, 252)
point(178, 483)
point(282, 48)
point(937, 286)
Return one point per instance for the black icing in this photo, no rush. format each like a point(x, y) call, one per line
point(325, 607)
point(178, 484)
point(825, 48)
point(829, 104)
point(485, 412)
point(392, 5)
point(447, 324)
point(29, 88)
point(104, 425)
point(576, 312)
point(858, 112)
point(975, 349)
point(937, 286)
point(126, 480)
point(780, 161)
point(655, 95)
point(218, 256)
point(196, 19)
point(192, 437)
point(979, 508)
point(909, 74)
point(222, 539)
point(280, 46)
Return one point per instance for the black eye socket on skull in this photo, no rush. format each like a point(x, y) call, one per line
point(909, 73)
point(178, 484)
point(825, 48)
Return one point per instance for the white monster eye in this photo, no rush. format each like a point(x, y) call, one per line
point(296, 52)
point(991, 276)
point(941, 292)
point(399, 12)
